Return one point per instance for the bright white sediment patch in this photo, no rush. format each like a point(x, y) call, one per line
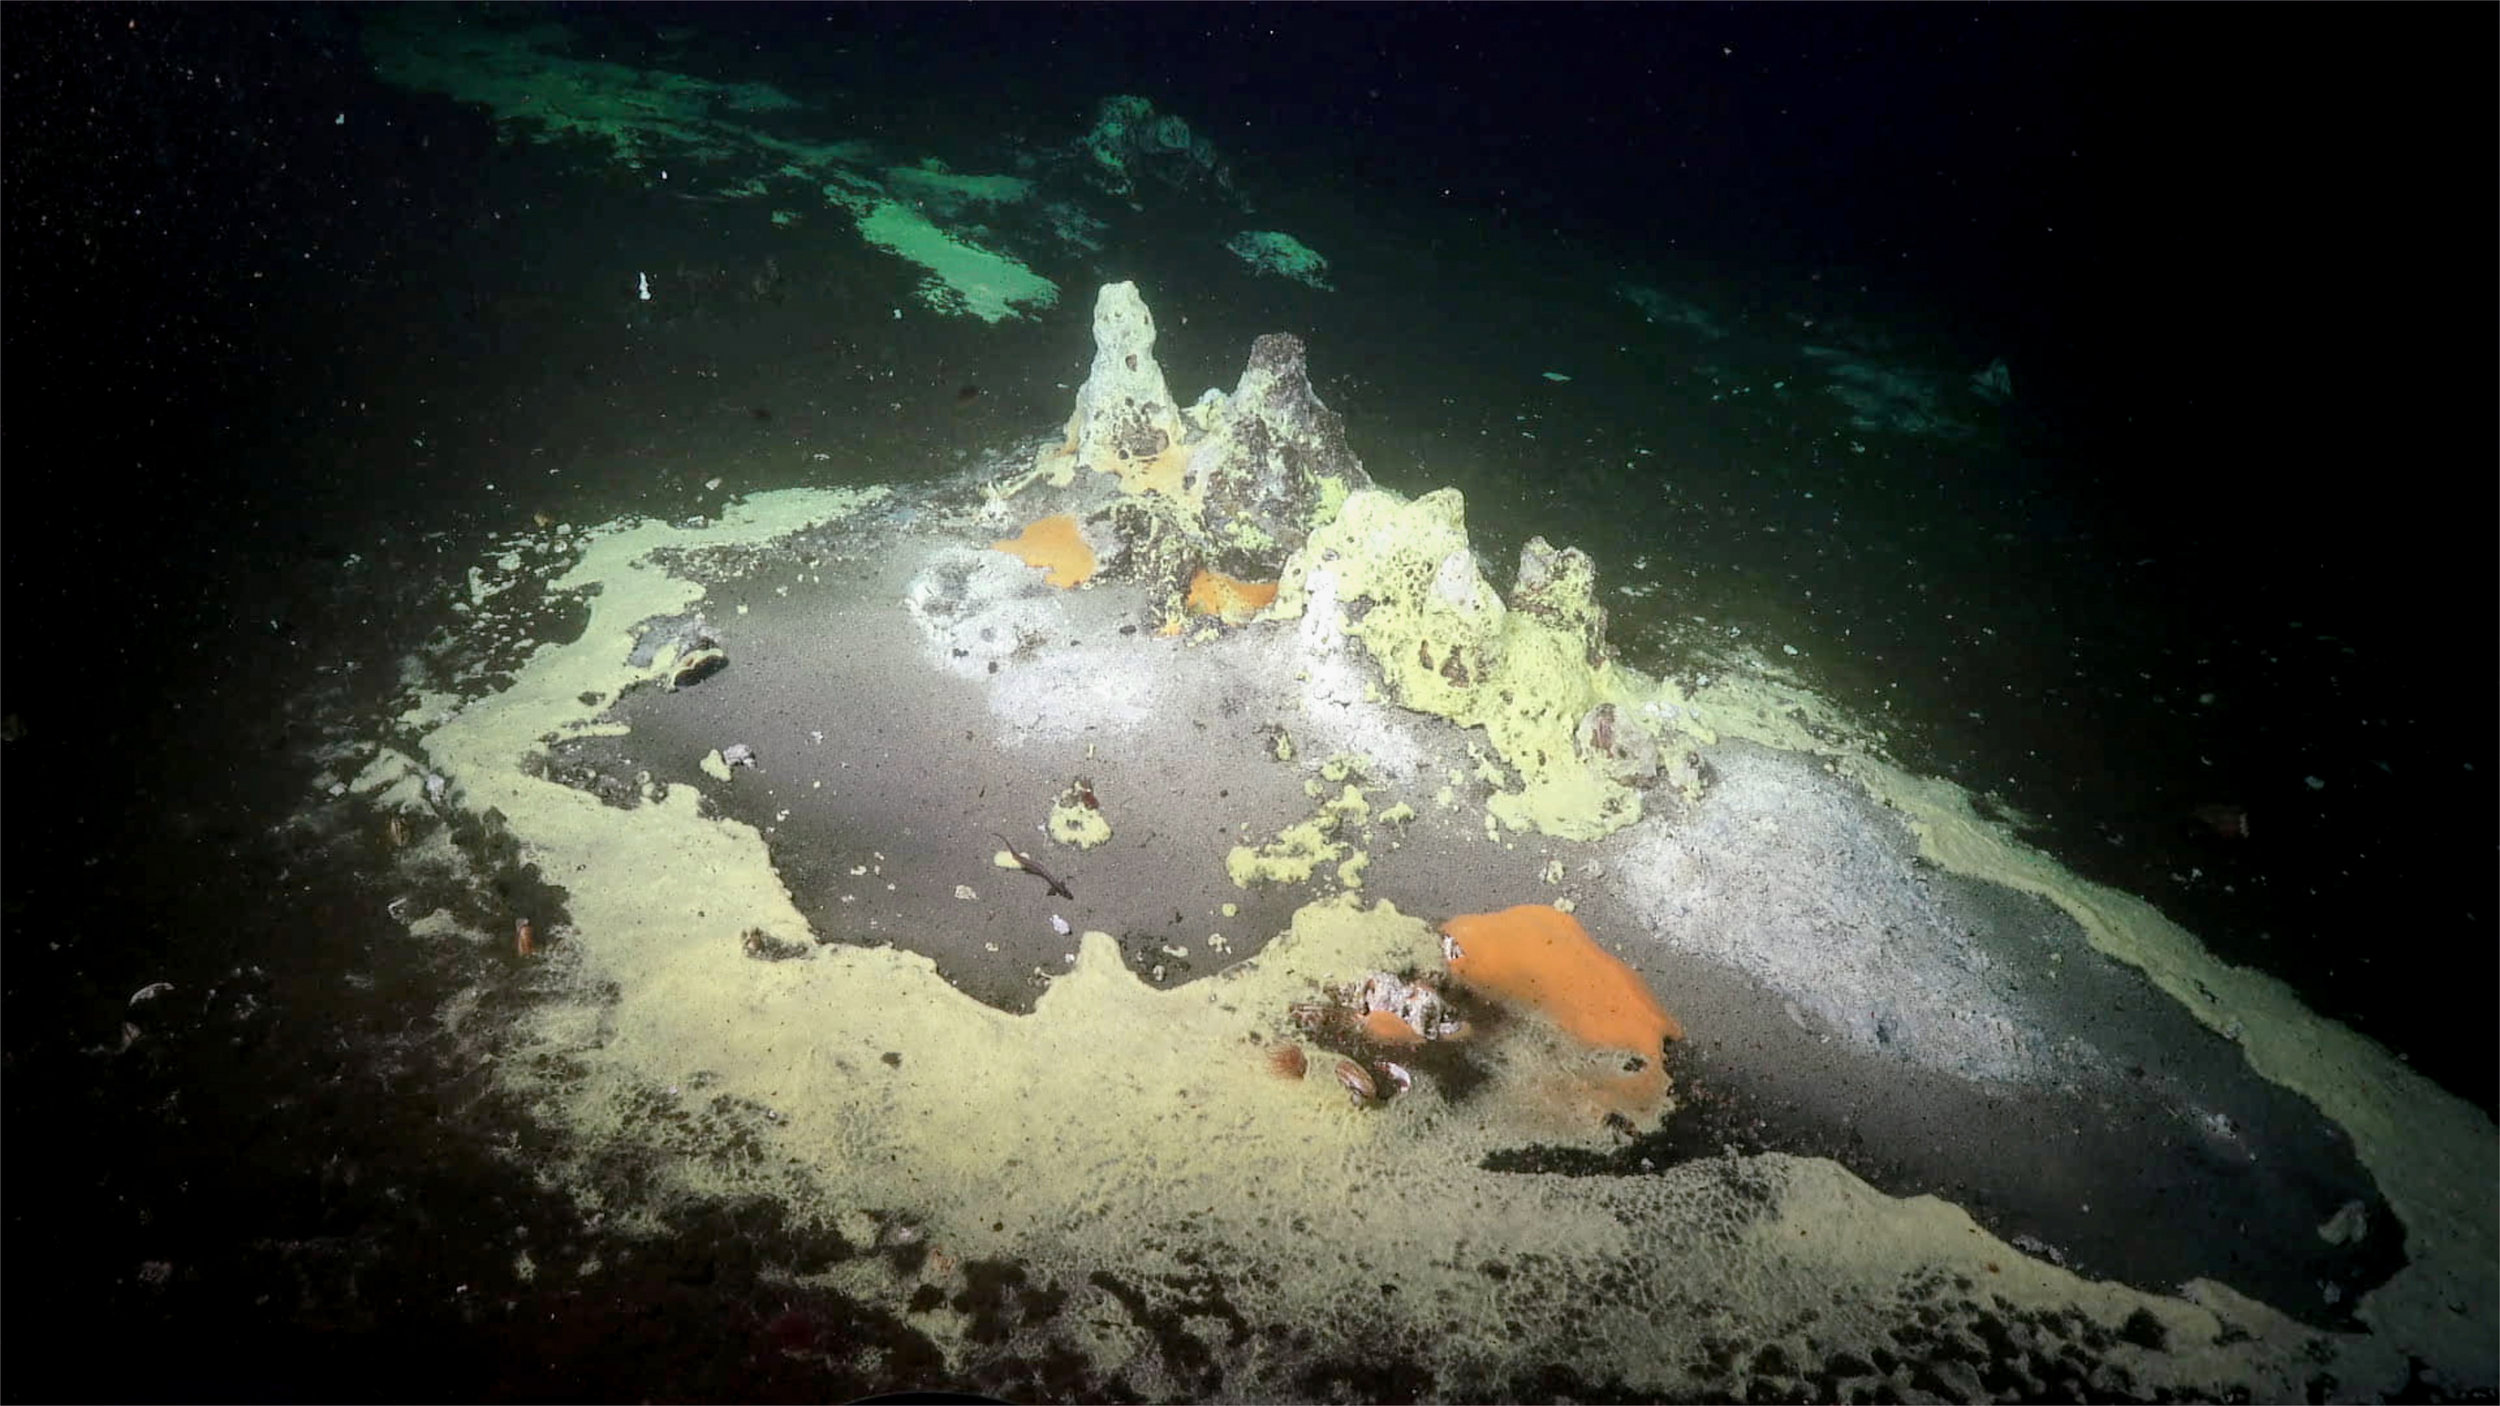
point(2435, 1157)
point(1792, 876)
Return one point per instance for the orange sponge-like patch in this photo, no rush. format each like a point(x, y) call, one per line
point(1539, 956)
point(1164, 472)
point(1389, 1029)
point(1055, 543)
point(1228, 599)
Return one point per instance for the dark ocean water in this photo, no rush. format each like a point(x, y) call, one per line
point(281, 342)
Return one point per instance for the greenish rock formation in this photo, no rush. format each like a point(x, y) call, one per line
point(1274, 251)
point(1129, 139)
point(711, 140)
point(960, 277)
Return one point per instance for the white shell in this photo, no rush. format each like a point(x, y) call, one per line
point(1416, 1003)
point(1059, 925)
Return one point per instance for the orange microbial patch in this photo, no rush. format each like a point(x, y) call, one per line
point(1055, 543)
point(1165, 471)
point(1389, 1029)
point(1540, 957)
point(1230, 600)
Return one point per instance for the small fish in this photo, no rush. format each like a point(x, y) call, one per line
point(1058, 887)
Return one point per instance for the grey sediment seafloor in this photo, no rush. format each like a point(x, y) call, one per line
point(1950, 1119)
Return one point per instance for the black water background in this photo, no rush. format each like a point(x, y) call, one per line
point(2241, 268)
